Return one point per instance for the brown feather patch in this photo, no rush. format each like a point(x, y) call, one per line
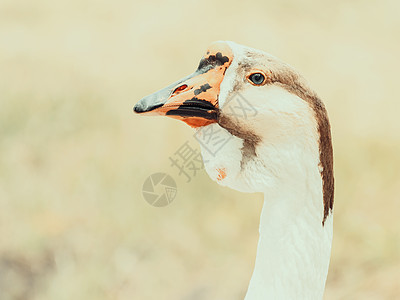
point(282, 74)
point(292, 83)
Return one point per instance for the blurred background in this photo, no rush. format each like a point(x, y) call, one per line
point(73, 156)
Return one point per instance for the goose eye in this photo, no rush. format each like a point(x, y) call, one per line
point(257, 78)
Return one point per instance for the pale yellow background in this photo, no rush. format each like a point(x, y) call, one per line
point(73, 156)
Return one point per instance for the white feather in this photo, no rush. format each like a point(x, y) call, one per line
point(294, 248)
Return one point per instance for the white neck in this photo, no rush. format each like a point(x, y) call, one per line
point(294, 248)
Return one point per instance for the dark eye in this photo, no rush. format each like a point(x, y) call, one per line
point(257, 78)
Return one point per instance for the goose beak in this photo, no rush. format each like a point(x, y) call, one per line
point(193, 99)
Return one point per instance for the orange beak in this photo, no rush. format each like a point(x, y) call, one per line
point(193, 99)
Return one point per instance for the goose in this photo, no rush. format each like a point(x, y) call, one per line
point(282, 149)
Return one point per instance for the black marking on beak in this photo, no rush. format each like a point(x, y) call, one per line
point(199, 103)
point(196, 108)
point(211, 62)
point(202, 89)
point(187, 111)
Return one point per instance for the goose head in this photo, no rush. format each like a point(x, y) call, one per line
point(255, 118)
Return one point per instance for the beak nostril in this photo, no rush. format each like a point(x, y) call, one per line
point(180, 89)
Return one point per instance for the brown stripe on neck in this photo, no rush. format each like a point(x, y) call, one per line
point(292, 83)
point(250, 140)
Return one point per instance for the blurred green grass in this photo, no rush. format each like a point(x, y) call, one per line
point(73, 157)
